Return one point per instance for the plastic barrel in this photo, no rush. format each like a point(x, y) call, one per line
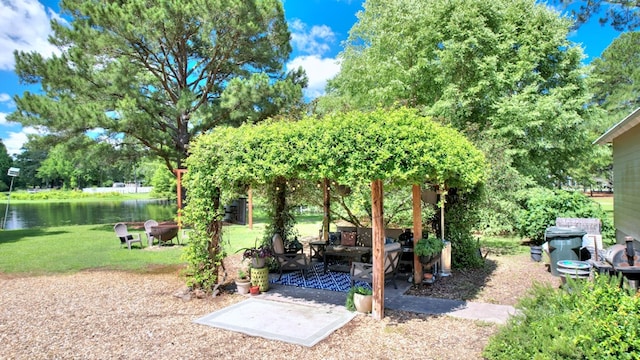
point(564, 244)
point(573, 269)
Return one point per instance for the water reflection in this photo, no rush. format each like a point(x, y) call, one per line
point(26, 215)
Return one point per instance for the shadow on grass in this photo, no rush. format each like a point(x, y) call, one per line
point(17, 235)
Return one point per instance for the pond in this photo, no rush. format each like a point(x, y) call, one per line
point(26, 215)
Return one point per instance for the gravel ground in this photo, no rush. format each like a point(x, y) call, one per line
point(123, 315)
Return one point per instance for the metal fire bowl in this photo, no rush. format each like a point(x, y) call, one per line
point(630, 272)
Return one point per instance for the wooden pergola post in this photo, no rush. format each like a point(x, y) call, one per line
point(326, 219)
point(179, 173)
point(417, 231)
point(250, 206)
point(377, 239)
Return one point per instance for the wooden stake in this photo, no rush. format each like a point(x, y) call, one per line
point(377, 239)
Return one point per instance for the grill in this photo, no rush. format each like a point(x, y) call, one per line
point(624, 259)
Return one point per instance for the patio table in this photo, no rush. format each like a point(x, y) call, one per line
point(348, 253)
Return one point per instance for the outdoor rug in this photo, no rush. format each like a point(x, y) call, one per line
point(277, 320)
point(316, 279)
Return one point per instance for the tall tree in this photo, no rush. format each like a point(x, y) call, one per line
point(160, 71)
point(31, 156)
point(617, 77)
point(503, 69)
point(5, 163)
point(621, 14)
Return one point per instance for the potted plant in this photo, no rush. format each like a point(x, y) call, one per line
point(359, 298)
point(257, 255)
point(243, 282)
point(254, 289)
point(428, 249)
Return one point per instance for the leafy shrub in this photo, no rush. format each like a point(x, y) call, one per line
point(461, 218)
point(541, 207)
point(60, 195)
point(593, 320)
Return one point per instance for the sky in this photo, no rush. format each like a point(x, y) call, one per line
point(318, 29)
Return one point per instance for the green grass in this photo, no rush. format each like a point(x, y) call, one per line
point(74, 248)
point(607, 205)
point(236, 237)
point(503, 245)
point(22, 197)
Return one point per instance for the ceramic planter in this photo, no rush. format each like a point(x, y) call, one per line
point(243, 286)
point(363, 303)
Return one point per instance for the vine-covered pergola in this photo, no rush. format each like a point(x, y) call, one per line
point(398, 147)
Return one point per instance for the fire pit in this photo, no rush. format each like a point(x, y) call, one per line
point(164, 233)
point(624, 259)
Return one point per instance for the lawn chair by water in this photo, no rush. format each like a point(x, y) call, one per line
point(125, 237)
point(147, 230)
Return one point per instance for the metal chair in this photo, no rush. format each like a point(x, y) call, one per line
point(364, 271)
point(288, 261)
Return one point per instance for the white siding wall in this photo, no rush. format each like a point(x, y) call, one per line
point(626, 183)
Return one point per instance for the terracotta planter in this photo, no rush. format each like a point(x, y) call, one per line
point(363, 303)
point(254, 290)
point(243, 286)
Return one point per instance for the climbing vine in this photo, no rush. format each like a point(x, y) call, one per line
point(352, 149)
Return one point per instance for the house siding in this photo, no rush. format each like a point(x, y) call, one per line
point(626, 179)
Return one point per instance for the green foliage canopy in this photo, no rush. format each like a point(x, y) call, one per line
point(503, 69)
point(352, 148)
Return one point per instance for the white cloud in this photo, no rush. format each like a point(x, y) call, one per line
point(316, 40)
point(4, 97)
point(15, 140)
point(24, 26)
point(318, 70)
point(3, 118)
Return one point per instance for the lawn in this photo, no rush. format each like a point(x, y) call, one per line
point(606, 203)
point(80, 247)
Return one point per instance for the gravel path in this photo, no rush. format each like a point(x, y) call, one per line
point(122, 315)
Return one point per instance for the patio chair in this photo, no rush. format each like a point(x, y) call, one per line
point(364, 271)
point(288, 261)
point(125, 237)
point(147, 230)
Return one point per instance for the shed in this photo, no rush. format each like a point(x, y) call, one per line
point(625, 140)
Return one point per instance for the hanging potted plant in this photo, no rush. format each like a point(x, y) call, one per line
point(243, 282)
point(428, 249)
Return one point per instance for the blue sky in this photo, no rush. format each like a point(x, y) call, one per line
point(318, 28)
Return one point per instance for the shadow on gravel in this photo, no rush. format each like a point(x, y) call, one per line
point(463, 284)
